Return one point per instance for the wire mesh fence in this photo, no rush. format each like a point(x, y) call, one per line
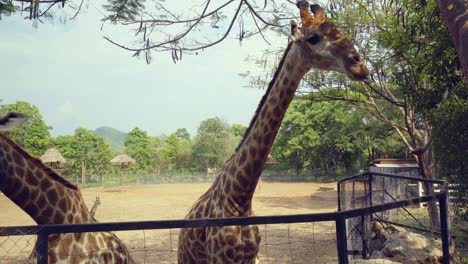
point(370, 206)
point(368, 233)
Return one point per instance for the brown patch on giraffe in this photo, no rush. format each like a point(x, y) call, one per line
point(243, 157)
point(47, 212)
point(18, 160)
point(290, 90)
point(253, 152)
point(59, 217)
point(52, 196)
point(274, 124)
point(31, 209)
point(268, 139)
point(232, 169)
point(285, 80)
point(284, 104)
point(45, 185)
point(277, 111)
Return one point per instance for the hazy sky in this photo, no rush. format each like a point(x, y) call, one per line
point(78, 79)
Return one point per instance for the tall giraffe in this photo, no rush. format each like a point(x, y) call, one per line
point(48, 198)
point(317, 44)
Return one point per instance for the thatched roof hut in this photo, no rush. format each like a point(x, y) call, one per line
point(53, 158)
point(122, 159)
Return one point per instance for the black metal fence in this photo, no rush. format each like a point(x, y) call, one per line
point(340, 219)
point(373, 188)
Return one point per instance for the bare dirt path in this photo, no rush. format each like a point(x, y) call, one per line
point(295, 243)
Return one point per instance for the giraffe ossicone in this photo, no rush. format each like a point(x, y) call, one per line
point(316, 44)
point(48, 198)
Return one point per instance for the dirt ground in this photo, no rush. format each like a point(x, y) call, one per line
point(281, 243)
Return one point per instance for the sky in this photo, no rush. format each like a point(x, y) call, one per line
point(78, 79)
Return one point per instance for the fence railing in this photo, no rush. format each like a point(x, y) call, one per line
point(339, 218)
point(372, 188)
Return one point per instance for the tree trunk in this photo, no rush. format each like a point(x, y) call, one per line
point(455, 14)
point(83, 172)
point(426, 168)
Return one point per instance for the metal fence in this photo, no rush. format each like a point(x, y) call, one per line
point(350, 205)
point(372, 188)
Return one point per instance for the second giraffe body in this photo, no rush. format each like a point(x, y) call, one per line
point(317, 44)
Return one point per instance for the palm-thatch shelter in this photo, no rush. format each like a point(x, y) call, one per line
point(123, 161)
point(54, 159)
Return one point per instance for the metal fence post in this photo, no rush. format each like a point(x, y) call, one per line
point(444, 228)
point(341, 243)
point(42, 248)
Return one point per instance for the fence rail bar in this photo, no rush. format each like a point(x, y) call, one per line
point(410, 227)
point(341, 242)
point(391, 176)
point(209, 222)
point(42, 247)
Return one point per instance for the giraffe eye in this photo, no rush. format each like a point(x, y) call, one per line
point(314, 39)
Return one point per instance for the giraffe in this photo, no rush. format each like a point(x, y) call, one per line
point(48, 198)
point(93, 210)
point(317, 44)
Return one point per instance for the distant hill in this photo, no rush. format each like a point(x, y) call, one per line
point(114, 137)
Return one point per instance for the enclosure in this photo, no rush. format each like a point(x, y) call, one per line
point(298, 221)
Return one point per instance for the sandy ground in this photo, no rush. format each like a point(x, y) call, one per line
point(281, 243)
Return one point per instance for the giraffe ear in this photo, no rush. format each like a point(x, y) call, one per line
point(295, 32)
point(319, 16)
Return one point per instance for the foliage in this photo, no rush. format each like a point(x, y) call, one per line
point(212, 144)
point(331, 135)
point(123, 10)
point(138, 146)
point(34, 135)
point(86, 153)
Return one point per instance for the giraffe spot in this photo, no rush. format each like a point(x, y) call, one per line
point(31, 209)
point(39, 175)
point(274, 124)
point(293, 84)
point(59, 217)
point(243, 157)
point(273, 100)
point(282, 94)
point(33, 194)
point(268, 139)
point(232, 169)
point(106, 257)
point(18, 159)
point(9, 158)
point(227, 186)
point(253, 152)
point(69, 218)
point(47, 212)
point(41, 200)
point(30, 178)
point(243, 181)
point(229, 253)
point(248, 170)
point(52, 258)
point(52, 196)
point(285, 81)
point(257, 166)
point(277, 111)
point(45, 185)
point(263, 152)
point(284, 104)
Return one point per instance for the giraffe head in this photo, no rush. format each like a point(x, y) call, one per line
point(323, 46)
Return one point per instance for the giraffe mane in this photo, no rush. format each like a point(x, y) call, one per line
point(39, 164)
point(262, 101)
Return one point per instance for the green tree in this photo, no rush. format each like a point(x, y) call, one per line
point(86, 152)
point(211, 144)
point(34, 135)
point(138, 146)
point(176, 152)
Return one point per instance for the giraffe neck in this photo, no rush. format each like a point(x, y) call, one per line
point(44, 195)
point(242, 171)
